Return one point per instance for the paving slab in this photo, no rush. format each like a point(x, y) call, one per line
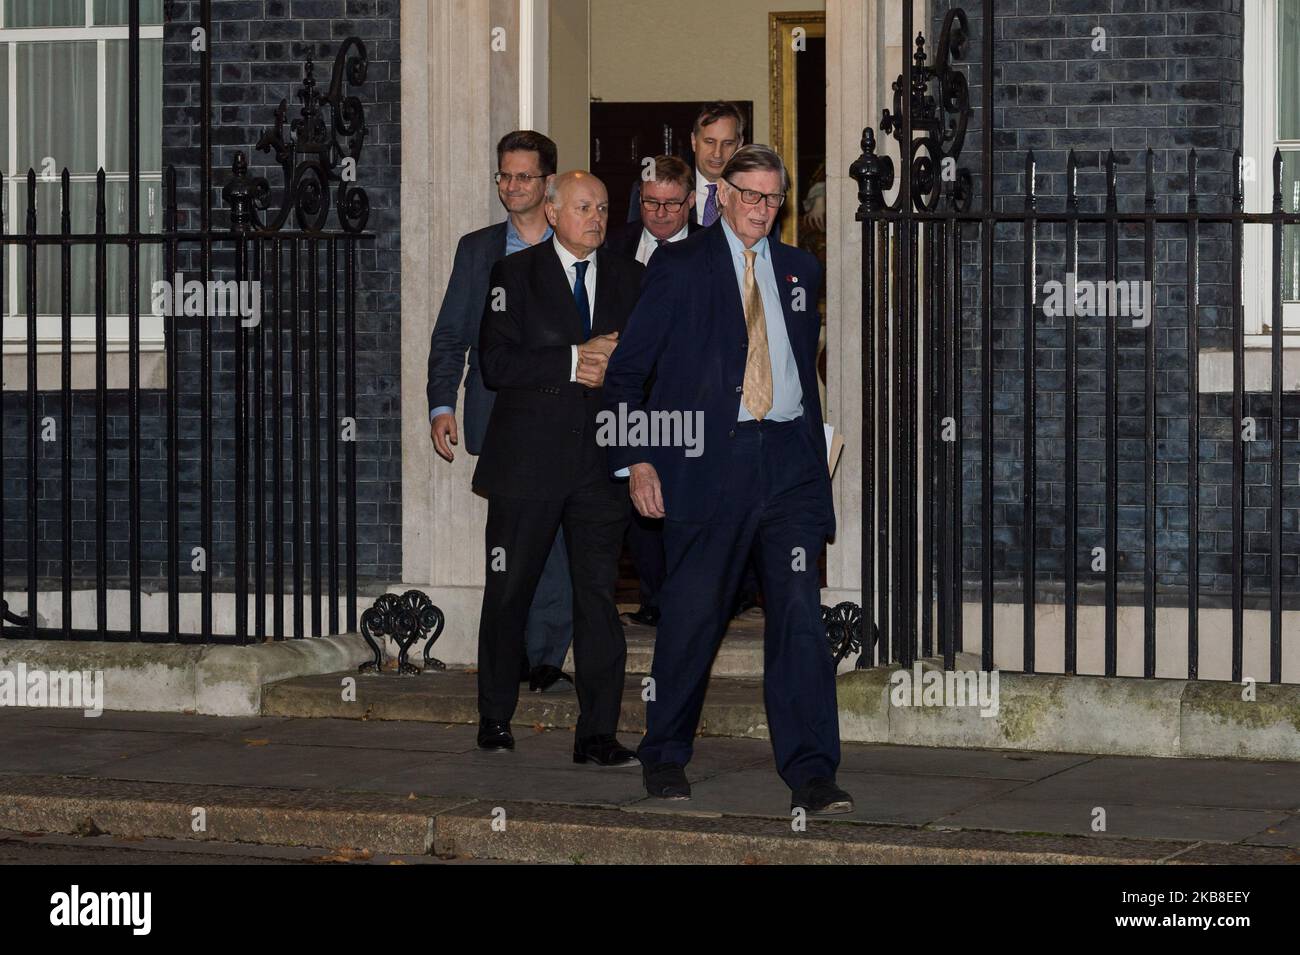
point(1019, 813)
point(1235, 784)
point(257, 762)
point(133, 720)
point(46, 749)
point(977, 763)
point(405, 735)
point(482, 774)
point(877, 797)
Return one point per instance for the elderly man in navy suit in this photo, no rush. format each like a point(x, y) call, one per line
point(728, 321)
point(525, 164)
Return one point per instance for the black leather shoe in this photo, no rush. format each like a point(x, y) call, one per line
point(821, 797)
point(603, 751)
point(494, 735)
point(549, 679)
point(646, 616)
point(666, 781)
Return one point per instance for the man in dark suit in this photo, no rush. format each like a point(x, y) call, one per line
point(729, 321)
point(525, 161)
point(667, 207)
point(552, 317)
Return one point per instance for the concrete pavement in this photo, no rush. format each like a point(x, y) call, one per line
point(415, 787)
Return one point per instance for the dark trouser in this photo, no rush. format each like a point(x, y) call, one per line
point(767, 505)
point(645, 538)
point(519, 536)
point(550, 617)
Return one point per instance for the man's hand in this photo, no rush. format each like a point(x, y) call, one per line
point(643, 486)
point(443, 432)
point(593, 359)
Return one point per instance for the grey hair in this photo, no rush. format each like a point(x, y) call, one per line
point(756, 157)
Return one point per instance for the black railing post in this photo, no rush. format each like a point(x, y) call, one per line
point(65, 375)
point(1194, 420)
point(1029, 495)
point(1071, 562)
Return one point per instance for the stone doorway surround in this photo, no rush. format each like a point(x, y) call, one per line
point(458, 97)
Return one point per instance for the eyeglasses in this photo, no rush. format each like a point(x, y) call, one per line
point(672, 205)
point(522, 178)
point(750, 197)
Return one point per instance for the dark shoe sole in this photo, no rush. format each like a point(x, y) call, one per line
point(837, 808)
point(497, 747)
point(671, 797)
point(577, 758)
point(559, 686)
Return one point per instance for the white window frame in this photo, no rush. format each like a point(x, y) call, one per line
point(49, 328)
point(1259, 141)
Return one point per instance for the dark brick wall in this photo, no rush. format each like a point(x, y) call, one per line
point(1169, 79)
point(258, 49)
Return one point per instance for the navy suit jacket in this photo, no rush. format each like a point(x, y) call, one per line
point(457, 330)
point(689, 324)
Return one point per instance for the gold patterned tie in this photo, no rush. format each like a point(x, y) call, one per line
point(758, 364)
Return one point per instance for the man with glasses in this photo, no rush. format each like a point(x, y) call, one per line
point(728, 322)
point(525, 163)
point(667, 204)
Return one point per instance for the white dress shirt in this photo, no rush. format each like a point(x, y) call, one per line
point(646, 247)
point(569, 261)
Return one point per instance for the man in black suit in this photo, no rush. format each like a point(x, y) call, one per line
point(667, 207)
point(551, 320)
point(728, 322)
point(525, 162)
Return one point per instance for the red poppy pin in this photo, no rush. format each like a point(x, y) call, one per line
point(792, 278)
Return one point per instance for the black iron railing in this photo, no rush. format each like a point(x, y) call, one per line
point(314, 308)
point(915, 439)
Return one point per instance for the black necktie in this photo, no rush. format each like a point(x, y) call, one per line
point(580, 298)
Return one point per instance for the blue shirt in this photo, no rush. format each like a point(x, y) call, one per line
point(787, 393)
point(514, 243)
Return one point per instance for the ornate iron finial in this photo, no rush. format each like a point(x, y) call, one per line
point(938, 119)
point(873, 174)
point(237, 194)
point(321, 148)
point(406, 618)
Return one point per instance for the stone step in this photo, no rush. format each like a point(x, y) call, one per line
point(379, 822)
point(732, 707)
point(740, 654)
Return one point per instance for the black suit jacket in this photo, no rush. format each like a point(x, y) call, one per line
point(457, 330)
point(625, 238)
point(541, 439)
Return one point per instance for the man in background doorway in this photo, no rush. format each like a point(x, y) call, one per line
point(718, 131)
point(525, 163)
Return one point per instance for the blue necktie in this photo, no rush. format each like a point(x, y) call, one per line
point(580, 298)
